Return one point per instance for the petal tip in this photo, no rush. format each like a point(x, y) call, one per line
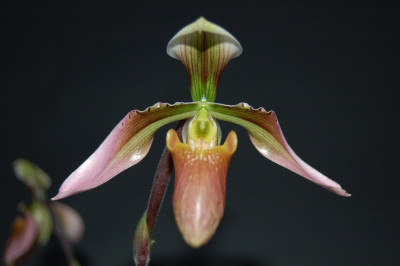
point(56, 197)
point(66, 194)
point(338, 190)
point(342, 192)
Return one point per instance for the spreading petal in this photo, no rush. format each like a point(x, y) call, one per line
point(72, 223)
point(22, 239)
point(266, 135)
point(205, 49)
point(200, 184)
point(126, 145)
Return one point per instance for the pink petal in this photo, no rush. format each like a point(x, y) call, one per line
point(266, 135)
point(72, 223)
point(22, 239)
point(126, 145)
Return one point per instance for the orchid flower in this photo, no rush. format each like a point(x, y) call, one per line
point(41, 218)
point(200, 160)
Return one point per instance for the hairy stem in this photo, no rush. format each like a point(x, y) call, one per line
point(142, 243)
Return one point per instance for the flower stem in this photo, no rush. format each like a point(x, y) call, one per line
point(159, 188)
point(142, 243)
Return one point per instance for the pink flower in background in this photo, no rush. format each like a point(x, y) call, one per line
point(41, 218)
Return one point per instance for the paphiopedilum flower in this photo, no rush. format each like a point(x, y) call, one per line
point(41, 218)
point(200, 161)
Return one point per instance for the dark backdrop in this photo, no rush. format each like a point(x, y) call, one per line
point(71, 71)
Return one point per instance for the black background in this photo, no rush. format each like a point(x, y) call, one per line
point(70, 72)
